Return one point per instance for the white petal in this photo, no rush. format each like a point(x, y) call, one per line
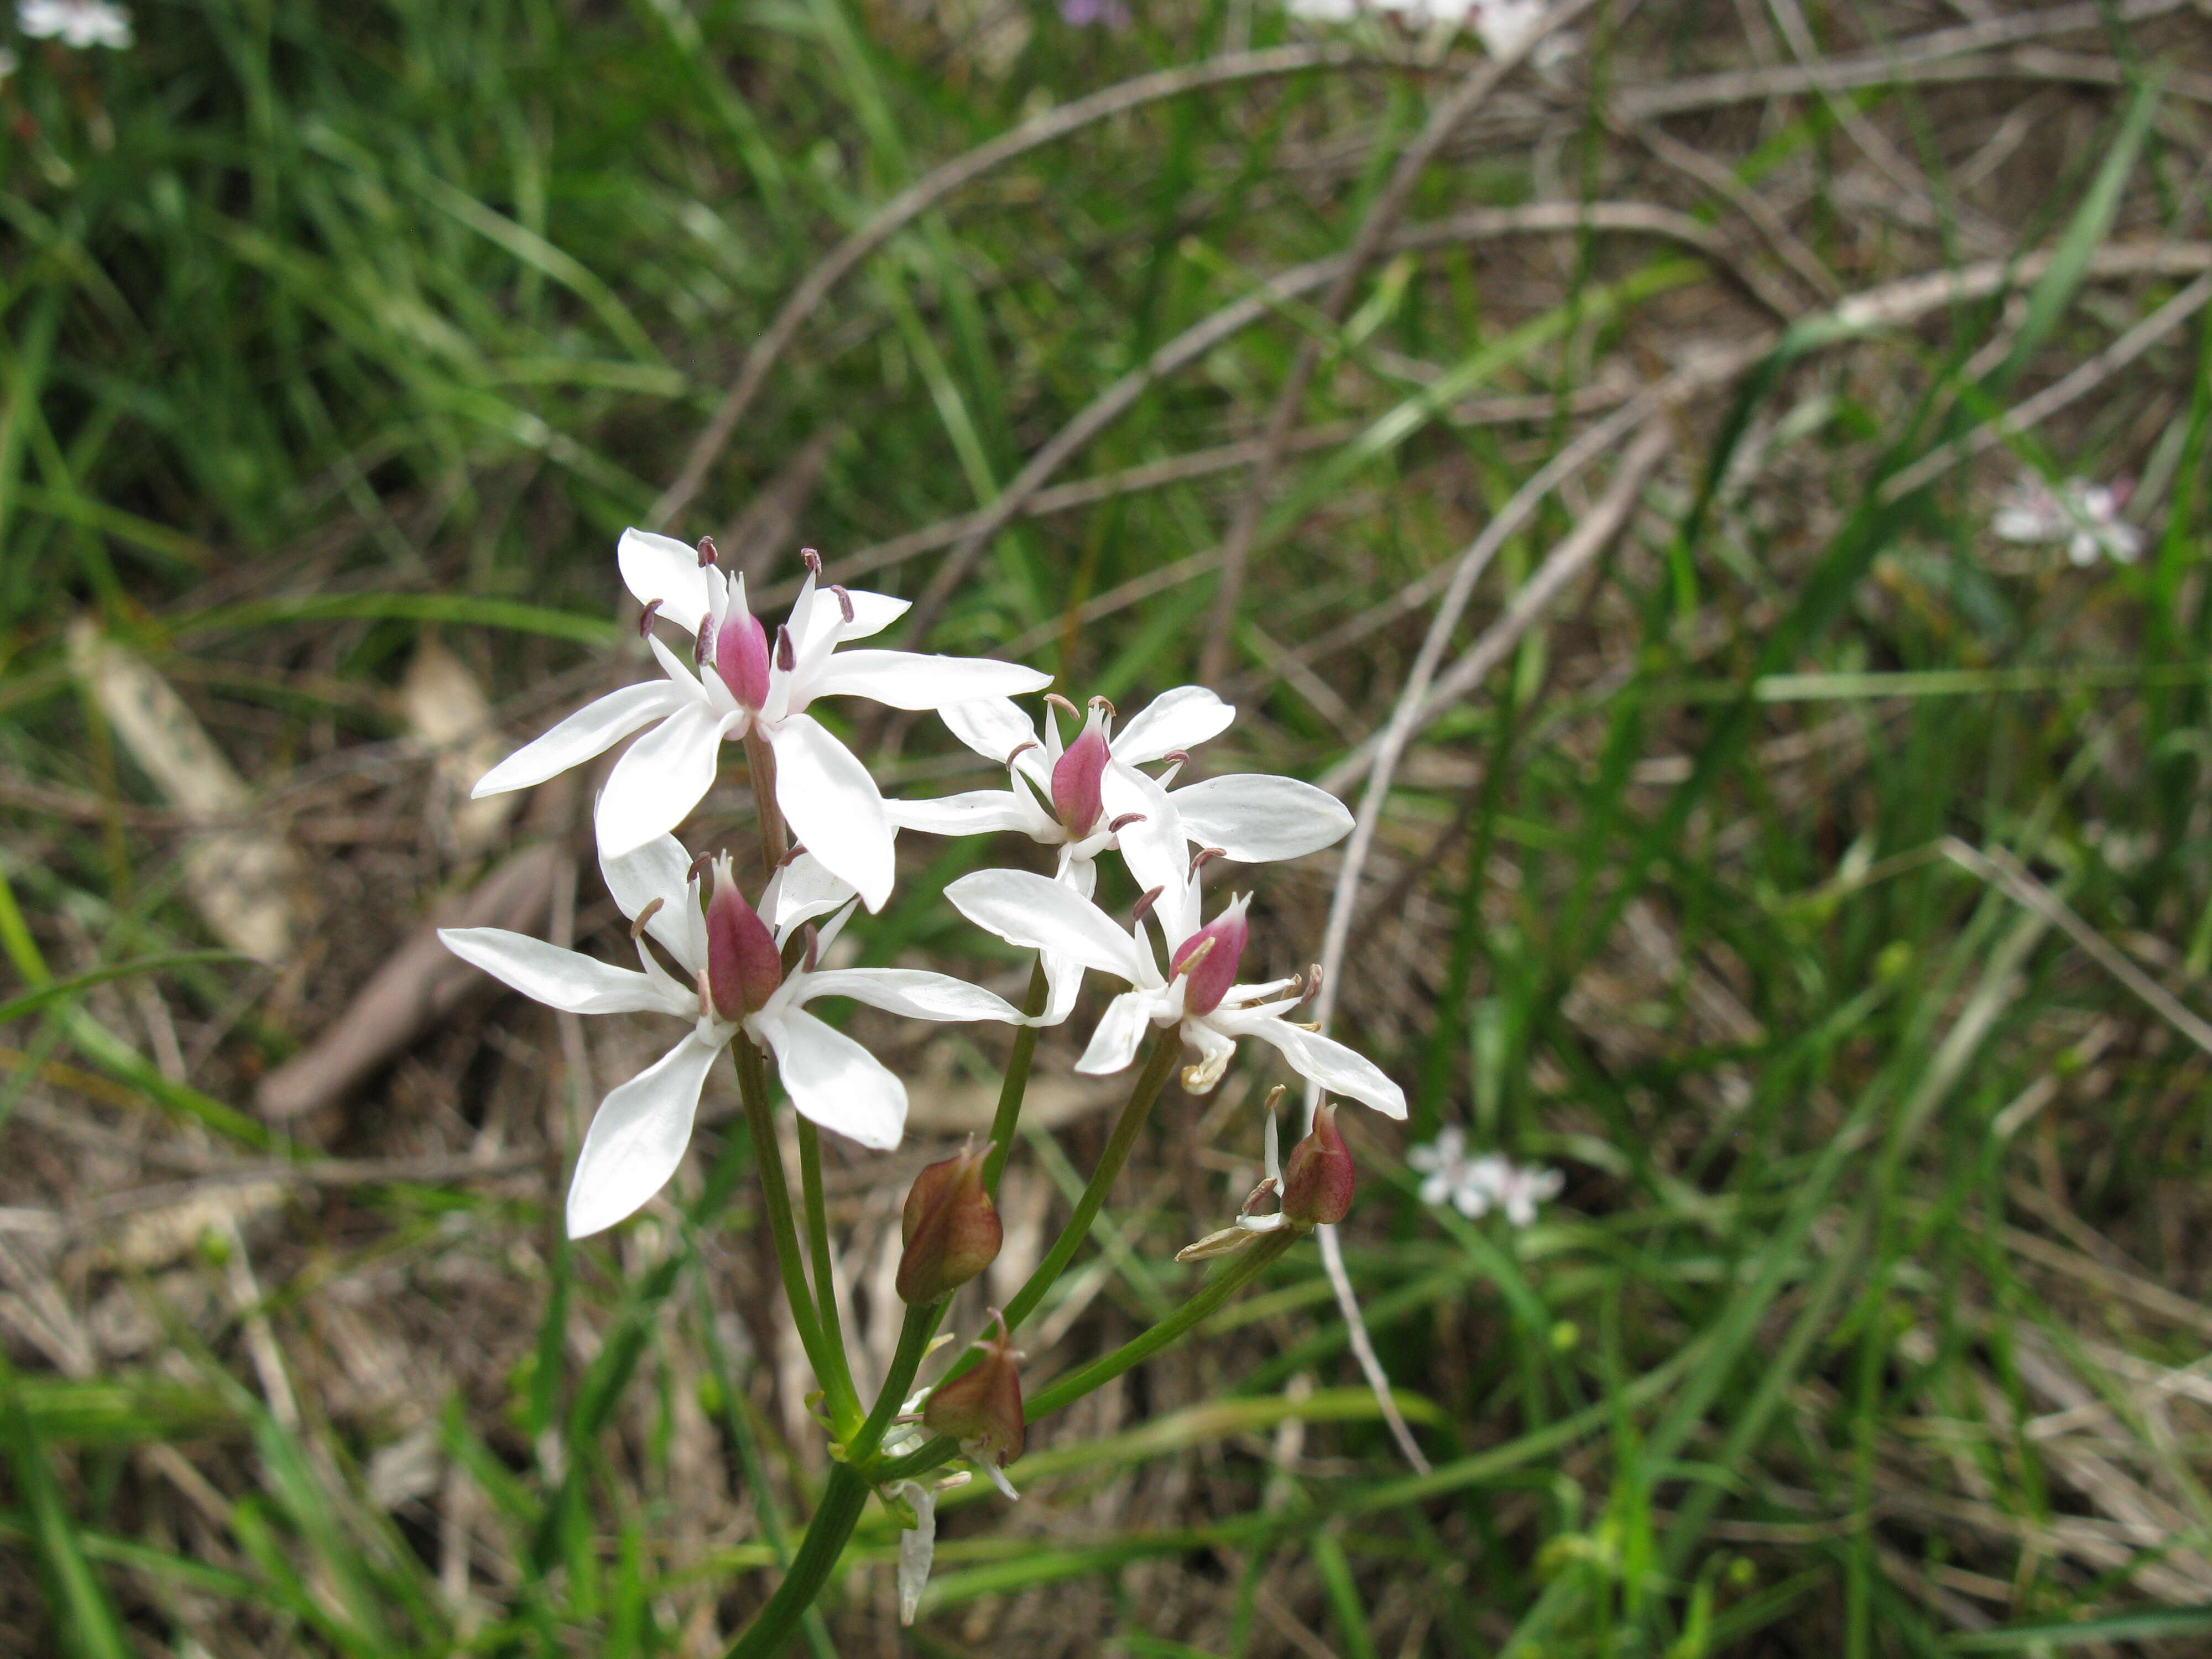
point(906, 679)
point(592, 730)
point(913, 991)
point(660, 870)
point(1256, 817)
point(802, 889)
point(1155, 849)
point(1063, 980)
point(835, 1081)
point(978, 811)
point(993, 726)
point(1181, 718)
point(1215, 1051)
point(637, 1137)
point(1039, 914)
point(833, 808)
point(916, 1546)
point(655, 784)
point(662, 568)
point(567, 980)
point(872, 613)
point(1322, 1059)
point(1114, 1044)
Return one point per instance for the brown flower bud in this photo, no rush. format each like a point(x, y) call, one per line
point(1318, 1175)
point(950, 1228)
point(983, 1409)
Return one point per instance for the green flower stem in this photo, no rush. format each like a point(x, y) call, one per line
point(759, 771)
point(770, 1632)
point(1015, 1083)
point(825, 1285)
point(1248, 1266)
point(1166, 1049)
point(914, 1333)
point(752, 1088)
point(843, 1500)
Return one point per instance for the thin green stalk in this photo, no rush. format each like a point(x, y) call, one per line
point(760, 770)
point(842, 1499)
point(1248, 1266)
point(914, 1333)
point(1166, 1049)
point(1015, 1082)
point(817, 1245)
point(760, 1122)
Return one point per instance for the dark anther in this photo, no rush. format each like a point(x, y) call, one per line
point(1313, 985)
point(1022, 748)
point(1102, 702)
point(813, 948)
point(844, 601)
point(813, 560)
point(707, 554)
point(645, 621)
point(785, 657)
point(1198, 859)
point(790, 855)
point(1145, 905)
point(1059, 702)
point(702, 646)
point(1124, 822)
point(1177, 756)
point(699, 866)
point(645, 916)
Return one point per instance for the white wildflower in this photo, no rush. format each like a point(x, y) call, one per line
point(2085, 516)
point(77, 23)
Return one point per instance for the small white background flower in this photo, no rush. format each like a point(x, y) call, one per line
point(2085, 516)
point(78, 23)
point(639, 1134)
point(1475, 1186)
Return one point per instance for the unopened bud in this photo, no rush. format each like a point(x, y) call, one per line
point(743, 966)
point(1210, 957)
point(950, 1229)
point(982, 1410)
point(1318, 1175)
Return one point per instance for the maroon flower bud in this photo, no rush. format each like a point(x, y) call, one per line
point(1210, 957)
point(982, 1410)
point(743, 966)
point(1076, 780)
point(1318, 1175)
point(950, 1229)
point(741, 656)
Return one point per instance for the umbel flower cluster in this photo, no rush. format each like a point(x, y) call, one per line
point(738, 969)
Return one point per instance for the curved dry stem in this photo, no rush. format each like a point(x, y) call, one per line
point(933, 187)
point(1636, 218)
point(1368, 241)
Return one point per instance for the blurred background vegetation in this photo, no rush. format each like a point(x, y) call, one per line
point(1816, 877)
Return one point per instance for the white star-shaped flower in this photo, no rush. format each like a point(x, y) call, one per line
point(1079, 796)
point(744, 684)
point(2085, 516)
point(638, 1136)
point(1195, 992)
point(1475, 1186)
